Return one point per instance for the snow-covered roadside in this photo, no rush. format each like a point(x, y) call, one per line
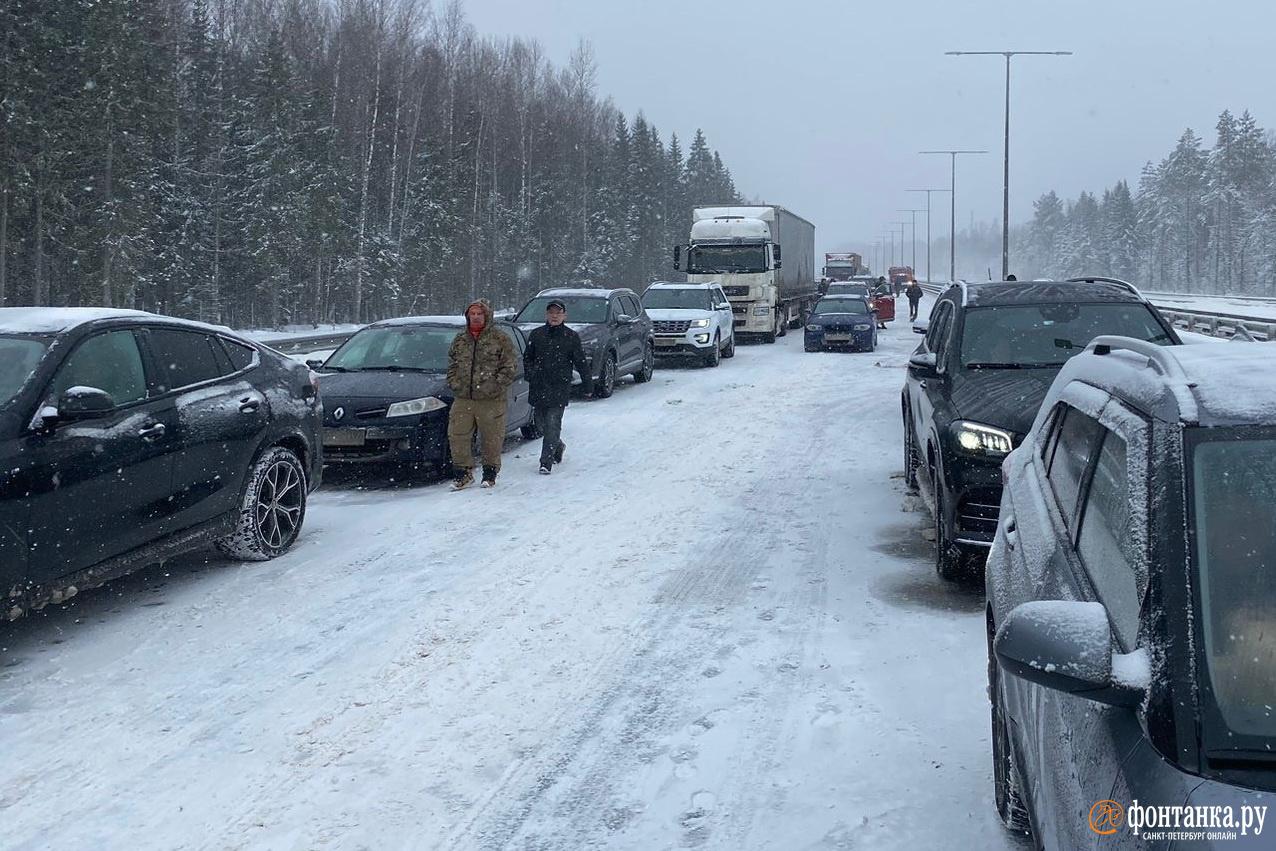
point(715, 625)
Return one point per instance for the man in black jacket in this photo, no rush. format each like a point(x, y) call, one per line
point(552, 350)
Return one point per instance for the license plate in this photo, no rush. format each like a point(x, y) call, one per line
point(839, 338)
point(671, 341)
point(344, 436)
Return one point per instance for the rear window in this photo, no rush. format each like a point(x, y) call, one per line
point(1046, 335)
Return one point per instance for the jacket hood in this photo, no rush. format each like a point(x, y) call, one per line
point(488, 313)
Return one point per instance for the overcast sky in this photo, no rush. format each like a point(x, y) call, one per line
point(822, 105)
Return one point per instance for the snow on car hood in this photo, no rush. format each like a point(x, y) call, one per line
point(1001, 397)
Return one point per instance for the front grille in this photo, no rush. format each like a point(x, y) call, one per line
point(672, 326)
point(737, 291)
point(837, 329)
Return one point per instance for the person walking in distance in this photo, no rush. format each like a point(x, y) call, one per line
point(552, 350)
point(914, 293)
point(481, 367)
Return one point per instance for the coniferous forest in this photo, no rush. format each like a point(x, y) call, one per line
point(259, 163)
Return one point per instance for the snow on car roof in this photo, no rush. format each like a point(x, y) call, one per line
point(1226, 384)
point(684, 285)
point(52, 320)
point(580, 291)
point(447, 319)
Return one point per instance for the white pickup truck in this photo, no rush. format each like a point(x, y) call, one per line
point(691, 320)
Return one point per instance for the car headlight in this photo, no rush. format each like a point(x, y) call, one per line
point(762, 311)
point(699, 323)
point(980, 439)
point(861, 327)
point(815, 327)
point(415, 406)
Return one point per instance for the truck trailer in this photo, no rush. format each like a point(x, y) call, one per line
point(764, 258)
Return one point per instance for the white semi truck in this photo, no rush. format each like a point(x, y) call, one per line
point(764, 258)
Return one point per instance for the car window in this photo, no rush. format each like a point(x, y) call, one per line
point(1046, 335)
point(719, 297)
point(19, 356)
point(110, 361)
point(583, 310)
point(183, 357)
point(630, 305)
point(241, 356)
point(1107, 541)
point(614, 308)
point(1070, 457)
point(937, 333)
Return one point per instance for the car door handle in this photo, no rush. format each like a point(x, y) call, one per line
point(249, 405)
point(152, 432)
point(1012, 534)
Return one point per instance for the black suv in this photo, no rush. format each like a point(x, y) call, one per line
point(615, 331)
point(126, 438)
point(1131, 601)
point(975, 383)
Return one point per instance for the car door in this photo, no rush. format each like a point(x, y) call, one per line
point(1096, 489)
point(930, 390)
point(622, 335)
point(518, 410)
point(99, 487)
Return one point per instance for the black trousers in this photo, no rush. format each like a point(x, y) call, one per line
point(549, 420)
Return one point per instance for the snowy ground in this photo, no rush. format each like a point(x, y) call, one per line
point(715, 626)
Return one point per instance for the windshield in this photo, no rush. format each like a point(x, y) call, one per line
point(684, 299)
point(18, 359)
point(584, 310)
point(848, 304)
point(1233, 513)
point(404, 347)
point(848, 289)
point(1046, 335)
point(715, 259)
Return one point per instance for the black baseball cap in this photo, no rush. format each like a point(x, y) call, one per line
point(553, 303)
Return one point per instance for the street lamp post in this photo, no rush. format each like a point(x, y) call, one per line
point(1005, 180)
point(901, 226)
point(914, 216)
point(927, 191)
point(952, 195)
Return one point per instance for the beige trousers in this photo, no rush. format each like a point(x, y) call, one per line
point(488, 416)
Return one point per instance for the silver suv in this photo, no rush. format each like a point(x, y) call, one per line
point(691, 320)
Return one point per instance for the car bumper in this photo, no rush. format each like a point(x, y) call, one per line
point(695, 342)
point(856, 339)
point(385, 445)
point(976, 500)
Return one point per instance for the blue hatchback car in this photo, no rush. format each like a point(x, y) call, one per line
point(842, 321)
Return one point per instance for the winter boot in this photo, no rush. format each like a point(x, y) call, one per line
point(546, 467)
point(489, 477)
point(558, 453)
point(464, 478)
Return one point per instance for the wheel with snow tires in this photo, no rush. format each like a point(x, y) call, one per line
point(1005, 777)
point(729, 351)
point(271, 509)
point(911, 459)
point(606, 384)
point(952, 562)
point(648, 368)
point(714, 357)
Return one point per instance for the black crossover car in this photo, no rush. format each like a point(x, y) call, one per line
point(614, 329)
point(126, 438)
point(975, 382)
point(386, 397)
point(1131, 614)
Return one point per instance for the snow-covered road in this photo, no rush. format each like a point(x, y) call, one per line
point(716, 625)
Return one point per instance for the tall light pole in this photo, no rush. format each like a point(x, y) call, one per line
point(901, 226)
point(914, 212)
point(1005, 180)
point(927, 191)
point(952, 195)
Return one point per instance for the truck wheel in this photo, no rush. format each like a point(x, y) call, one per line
point(271, 509)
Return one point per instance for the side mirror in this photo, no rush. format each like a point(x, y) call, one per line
point(775, 253)
point(624, 319)
point(314, 363)
point(925, 364)
point(677, 256)
point(84, 403)
point(1066, 646)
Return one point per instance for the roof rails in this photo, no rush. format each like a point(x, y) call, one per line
point(1090, 279)
point(1163, 360)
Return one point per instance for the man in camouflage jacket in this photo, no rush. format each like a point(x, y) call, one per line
point(482, 364)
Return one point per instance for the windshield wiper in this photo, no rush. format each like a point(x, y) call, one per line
point(334, 369)
point(983, 365)
point(395, 368)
